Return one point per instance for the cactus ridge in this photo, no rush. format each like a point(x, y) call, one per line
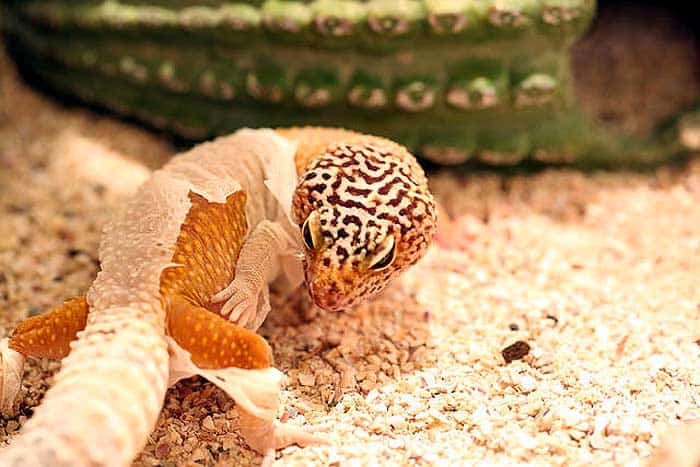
point(325, 22)
point(478, 84)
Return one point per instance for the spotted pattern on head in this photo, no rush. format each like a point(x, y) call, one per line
point(362, 193)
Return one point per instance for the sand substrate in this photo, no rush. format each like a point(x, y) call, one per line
point(598, 274)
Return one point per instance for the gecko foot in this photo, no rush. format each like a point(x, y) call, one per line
point(241, 304)
point(267, 436)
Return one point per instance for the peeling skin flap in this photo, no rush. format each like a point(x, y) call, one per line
point(281, 176)
point(256, 391)
point(281, 180)
point(11, 369)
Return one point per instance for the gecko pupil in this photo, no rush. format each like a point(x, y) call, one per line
point(385, 261)
point(306, 234)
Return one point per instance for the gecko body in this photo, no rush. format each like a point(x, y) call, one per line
point(186, 265)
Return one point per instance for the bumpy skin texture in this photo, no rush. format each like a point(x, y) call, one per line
point(152, 313)
point(451, 79)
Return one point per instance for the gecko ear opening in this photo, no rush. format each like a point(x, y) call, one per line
point(385, 255)
point(311, 232)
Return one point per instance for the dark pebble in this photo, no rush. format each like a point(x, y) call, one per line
point(515, 351)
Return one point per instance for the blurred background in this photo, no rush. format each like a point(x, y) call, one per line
point(627, 92)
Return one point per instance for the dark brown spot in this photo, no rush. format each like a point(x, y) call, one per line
point(553, 318)
point(352, 219)
point(371, 166)
point(515, 351)
point(347, 203)
point(359, 191)
point(342, 252)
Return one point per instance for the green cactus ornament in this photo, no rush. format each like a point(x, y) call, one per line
point(454, 80)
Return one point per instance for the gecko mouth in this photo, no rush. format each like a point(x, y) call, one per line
point(327, 299)
point(331, 306)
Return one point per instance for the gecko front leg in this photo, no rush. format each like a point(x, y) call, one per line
point(247, 297)
point(216, 344)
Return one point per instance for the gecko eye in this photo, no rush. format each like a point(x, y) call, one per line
point(385, 256)
point(310, 231)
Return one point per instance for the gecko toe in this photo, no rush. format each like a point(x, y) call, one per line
point(224, 294)
point(240, 309)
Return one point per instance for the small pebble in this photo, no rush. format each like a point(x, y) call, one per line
point(515, 351)
point(208, 424)
point(306, 379)
point(527, 384)
point(162, 450)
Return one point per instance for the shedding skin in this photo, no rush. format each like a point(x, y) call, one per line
point(206, 253)
point(210, 240)
point(191, 291)
point(207, 248)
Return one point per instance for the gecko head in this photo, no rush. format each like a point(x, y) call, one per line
point(365, 214)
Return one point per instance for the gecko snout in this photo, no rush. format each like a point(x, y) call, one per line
point(331, 302)
point(326, 295)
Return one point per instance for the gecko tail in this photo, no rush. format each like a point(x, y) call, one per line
point(107, 395)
